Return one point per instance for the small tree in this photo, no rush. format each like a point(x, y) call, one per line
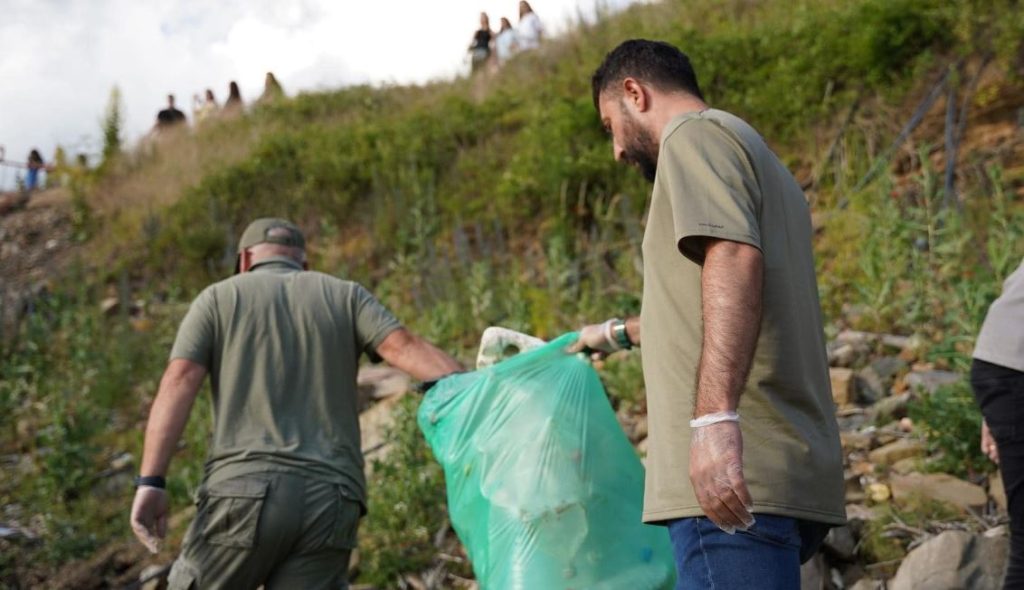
point(113, 121)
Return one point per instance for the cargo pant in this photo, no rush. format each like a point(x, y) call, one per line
point(277, 530)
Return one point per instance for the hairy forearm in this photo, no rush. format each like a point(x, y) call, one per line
point(169, 414)
point(417, 357)
point(731, 288)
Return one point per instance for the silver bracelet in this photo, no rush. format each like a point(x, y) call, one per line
point(709, 419)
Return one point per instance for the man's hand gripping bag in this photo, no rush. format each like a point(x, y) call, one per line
point(544, 489)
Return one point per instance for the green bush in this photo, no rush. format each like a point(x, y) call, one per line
point(951, 423)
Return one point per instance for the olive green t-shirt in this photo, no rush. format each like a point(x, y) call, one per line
point(282, 346)
point(717, 178)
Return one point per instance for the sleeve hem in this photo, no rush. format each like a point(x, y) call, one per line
point(686, 236)
point(378, 338)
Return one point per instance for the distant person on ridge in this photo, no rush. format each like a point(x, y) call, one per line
point(271, 90)
point(283, 490)
point(233, 105)
point(733, 344)
point(505, 42)
point(34, 164)
point(205, 108)
point(480, 47)
point(531, 30)
point(997, 378)
point(169, 117)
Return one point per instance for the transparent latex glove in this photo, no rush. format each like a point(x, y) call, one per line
point(149, 516)
point(716, 472)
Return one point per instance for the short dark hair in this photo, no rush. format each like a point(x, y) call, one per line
point(654, 62)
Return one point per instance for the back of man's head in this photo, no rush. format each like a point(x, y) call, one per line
point(270, 236)
point(656, 63)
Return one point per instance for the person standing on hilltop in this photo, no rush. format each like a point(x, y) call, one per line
point(33, 165)
point(733, 345)
point(480, 47)
point(283, 489)
point(505, 42)
point(271, 90)
point(169, 117)
point(205, 108)
point(997, 378)
point(531, 30)
point(233, 105)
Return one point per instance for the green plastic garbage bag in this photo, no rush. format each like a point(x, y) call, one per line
point(544, 489)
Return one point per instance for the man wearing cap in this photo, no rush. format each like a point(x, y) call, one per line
point(283, 489)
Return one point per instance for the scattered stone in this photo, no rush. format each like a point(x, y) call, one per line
point(930, 381)
point(894, 451)
point(867, 584)
point(379, 382)
point(875, 379)
point(842, 385)
point(890, 408)
point(841, 355)
point(941, 487)
point(905, 466)
point(997, 531)
point(879, 492)
point(373, 423)
point(110, 305)
point(856, 441)
point(641, 449)
point(953, 560)
point(812, 573)
point(122, 461)
point(154, 577)
point(840, 543)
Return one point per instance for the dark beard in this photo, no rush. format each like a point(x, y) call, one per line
point(642, 159)
point(641, 151)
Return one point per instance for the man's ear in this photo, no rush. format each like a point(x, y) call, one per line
point(634, 93)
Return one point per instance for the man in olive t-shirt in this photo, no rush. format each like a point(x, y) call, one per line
point(283, 489)
point(744, 461)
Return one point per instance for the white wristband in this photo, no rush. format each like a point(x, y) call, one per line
point(609, 337)
point(709, 419)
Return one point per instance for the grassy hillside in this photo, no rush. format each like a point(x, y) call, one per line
point(495, 200)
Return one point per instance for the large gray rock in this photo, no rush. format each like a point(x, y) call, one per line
point(842, 385)
point(930, 381)
point(954, 560)
point(941, 487)
point(889, 408)
point(894, 451)
point(812, 574)
point(841, 543)
point(875, 380)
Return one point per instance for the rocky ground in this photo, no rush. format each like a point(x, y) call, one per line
point(36, 241)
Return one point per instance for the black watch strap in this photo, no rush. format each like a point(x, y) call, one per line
point(153, 481)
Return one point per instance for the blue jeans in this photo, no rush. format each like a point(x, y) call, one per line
point(768, 556)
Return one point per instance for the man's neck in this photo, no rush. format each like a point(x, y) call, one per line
point(671, 106)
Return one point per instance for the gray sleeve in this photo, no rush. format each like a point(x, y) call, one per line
point(195, 339)
point(373, 322)
point(712, 186)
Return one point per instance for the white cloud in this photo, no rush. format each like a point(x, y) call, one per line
point(60, 58)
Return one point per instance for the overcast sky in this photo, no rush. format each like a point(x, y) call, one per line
point(59, 59)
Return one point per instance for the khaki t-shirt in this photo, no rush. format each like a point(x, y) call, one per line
point(717, 178)
point(1001, 340)
point(282, 346)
